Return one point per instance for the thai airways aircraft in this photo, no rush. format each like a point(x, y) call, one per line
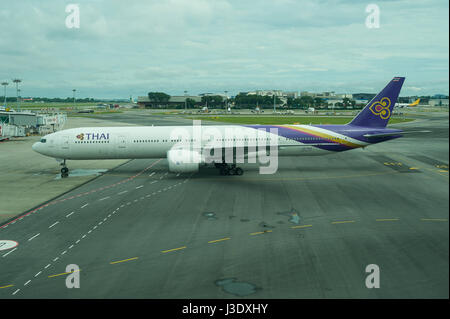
point(401, 105)
point(186, 147)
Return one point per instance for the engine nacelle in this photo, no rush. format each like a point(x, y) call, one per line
point(183, 161)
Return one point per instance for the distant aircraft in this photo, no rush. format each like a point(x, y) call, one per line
point(402, 105)
point(187, 151)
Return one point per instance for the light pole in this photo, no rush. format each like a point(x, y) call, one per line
point(19, 96)
point(74, 98)
point(5, 84)
point(274, 102)
point(185, 100)
point(17, 81)
point(226, 99)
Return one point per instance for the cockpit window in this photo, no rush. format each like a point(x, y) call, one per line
point(43, 140)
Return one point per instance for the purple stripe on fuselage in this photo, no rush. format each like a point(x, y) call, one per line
point(302, 137)
point(352, 131)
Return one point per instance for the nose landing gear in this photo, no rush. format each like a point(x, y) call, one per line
point(64, 170)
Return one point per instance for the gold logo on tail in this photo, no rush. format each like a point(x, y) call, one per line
point(381, 108)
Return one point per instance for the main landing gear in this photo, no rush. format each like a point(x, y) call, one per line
point(64, 170)
point(226, 169)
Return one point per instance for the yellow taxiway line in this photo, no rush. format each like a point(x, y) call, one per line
point(301, 226)
point(64, 273)
point(121, 261)
point(343, 222)
point(6, 286)
point(217, 240)
point(169, 250)
point(260, 232)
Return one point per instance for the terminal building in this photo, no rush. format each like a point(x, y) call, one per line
point(14, 124)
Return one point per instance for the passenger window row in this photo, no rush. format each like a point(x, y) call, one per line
point(83, 142)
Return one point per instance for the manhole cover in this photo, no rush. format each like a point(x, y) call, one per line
point(237, 288)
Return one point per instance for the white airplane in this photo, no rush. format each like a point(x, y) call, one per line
point(186, 147)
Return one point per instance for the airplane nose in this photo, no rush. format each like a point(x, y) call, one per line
point(35, 147)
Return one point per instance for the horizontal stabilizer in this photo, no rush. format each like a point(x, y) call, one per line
point(378, 135)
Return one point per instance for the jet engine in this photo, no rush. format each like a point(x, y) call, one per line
point(183, 161)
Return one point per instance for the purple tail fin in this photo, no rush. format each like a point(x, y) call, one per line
point(378, 111)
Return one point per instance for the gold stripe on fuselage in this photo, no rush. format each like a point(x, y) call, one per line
point(323, 135)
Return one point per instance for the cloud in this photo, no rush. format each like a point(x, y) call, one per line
point(132, 47)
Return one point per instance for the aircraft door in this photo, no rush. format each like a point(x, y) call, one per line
point(122, 143)
point(65, 143)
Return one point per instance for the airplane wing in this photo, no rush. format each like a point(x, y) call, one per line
point(244, 150)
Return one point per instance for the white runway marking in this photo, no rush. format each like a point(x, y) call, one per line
point(153, 182)
point(104, 198)
point(122, 193)
point(34, 236)
point(71, 246)
point(9, 252)
point(152, 174)
point(84, 205)
point(53, 224)
point(69, 214)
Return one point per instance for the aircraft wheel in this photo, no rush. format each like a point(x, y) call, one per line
point(64, 172)
point(224, 171)
point(238, 171)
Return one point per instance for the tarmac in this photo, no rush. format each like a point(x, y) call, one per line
point(308, 231)
point(27, 178)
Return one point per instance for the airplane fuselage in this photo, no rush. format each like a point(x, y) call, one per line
point(155, 141)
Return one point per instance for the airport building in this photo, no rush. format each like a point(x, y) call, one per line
point(438, 102)
point(25, 123)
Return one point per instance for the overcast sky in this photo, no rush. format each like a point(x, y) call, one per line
point(125, 48)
